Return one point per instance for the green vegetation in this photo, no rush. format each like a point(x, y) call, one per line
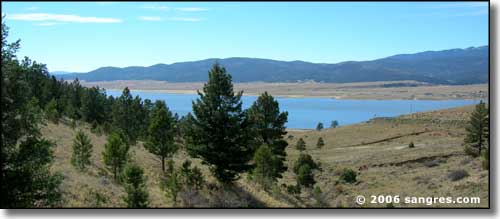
point(334, 124)
point(137, 195)
point(320, 143)
point(82, 151)
point(319, 127)
point(477, 131)
point(219, 131)
point(268, 124)
point(301, 145)
point(161, 133)
point(221, 140)
point(115, 153)
point(26, 156)
point(348, 176)
point(411, 145)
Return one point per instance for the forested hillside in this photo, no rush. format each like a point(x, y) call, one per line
point(455, 66)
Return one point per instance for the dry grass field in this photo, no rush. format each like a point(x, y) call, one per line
point(365, 90)
point(377, 150)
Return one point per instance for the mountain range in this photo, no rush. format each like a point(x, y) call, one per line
point(454, 66)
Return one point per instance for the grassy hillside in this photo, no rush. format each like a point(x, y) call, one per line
point(378, 150)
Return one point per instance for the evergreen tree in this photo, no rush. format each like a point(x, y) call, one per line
point(25, 156)
point(161, 133)
point(334, 124)
point(82, 151)
point(301, 145)
point(123, 118)
point(52, 112)
point(265, 164)
point(137, 195)
point(320, 143)
point(218, 133)
point(477, 131)
point(319, 127)
point(115, 153)
point(192, 178)
point(304, 159)
point(172, 182)
point(268, 124)
point(93, 105)
point(305, 176)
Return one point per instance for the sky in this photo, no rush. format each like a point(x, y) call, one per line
point(83, 36)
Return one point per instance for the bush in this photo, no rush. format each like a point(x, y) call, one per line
point(301, 144)
point(319, 127)
point(304, 159)
point(411, 145)
point(305, 176)
point(320, 143)
point(457, 175)
point(293, 189)
point(348, 176)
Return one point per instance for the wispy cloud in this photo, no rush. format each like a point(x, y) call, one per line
point(185, 19)
point(61, 18)
point(150, 18)
point(191, 9)
point(47, 24)
point(156, 8)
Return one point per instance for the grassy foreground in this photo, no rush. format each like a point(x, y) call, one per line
point(377, 150)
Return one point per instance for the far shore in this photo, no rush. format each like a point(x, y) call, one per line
point(364, 90)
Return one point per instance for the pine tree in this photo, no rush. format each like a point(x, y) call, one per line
point(334, 124)
point(137, 194)
point(172, 183)
point(320, 143)
point(115, 153)
point(218, 133)
point(52, 112)
point(268, 124)
point(25, 157)
point(123, 118)
point(82, 151)
point(305, 176)
point(319, 127)
point(477, 131)
point(161, 133)
point(265, 164)
point(301, 145)
point(304, 159)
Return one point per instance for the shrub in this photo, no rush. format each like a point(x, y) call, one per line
point(320, 143)
point(135, 186)
point(348, 176)
point(301, 144)
point(293, 189)
point(305, 176)
point(411, 145)
point(319, 127)
point(304, 159)
point(457, 175)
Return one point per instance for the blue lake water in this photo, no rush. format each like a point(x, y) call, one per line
point(305, 113)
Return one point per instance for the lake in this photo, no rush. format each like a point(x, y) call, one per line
point(305, 113)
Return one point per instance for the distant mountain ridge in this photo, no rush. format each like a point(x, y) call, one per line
point(454, 66)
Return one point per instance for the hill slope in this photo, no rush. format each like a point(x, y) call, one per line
point(455, 66)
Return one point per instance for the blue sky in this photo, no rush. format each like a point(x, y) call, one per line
point(84, 36)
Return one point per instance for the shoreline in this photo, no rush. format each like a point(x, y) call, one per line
point(194, 92)
point(382, 90)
